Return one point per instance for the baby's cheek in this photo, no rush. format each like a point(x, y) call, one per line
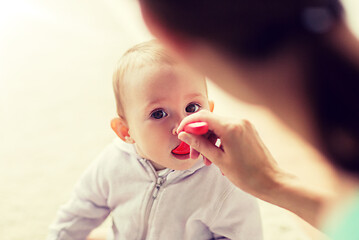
point(155, 137)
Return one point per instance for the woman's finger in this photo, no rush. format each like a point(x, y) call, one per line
point(202, 145)
point(215, 123)
point(193, 154)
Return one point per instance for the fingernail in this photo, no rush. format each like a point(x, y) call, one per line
point(184, 138)
point(206, 161)
point(177, 131)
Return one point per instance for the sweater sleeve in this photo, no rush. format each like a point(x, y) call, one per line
point(237, 217)
point(86, 209)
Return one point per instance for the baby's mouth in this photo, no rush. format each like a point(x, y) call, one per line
point(181, 149)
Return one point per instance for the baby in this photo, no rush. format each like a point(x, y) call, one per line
point(152, 189)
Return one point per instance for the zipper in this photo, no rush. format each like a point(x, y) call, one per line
point(159, 183)
point(160, 180)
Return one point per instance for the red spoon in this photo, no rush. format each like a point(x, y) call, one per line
point(198, 128)
point(182, 149)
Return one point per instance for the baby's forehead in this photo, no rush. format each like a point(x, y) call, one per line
point(150, 81)
point(160, 76)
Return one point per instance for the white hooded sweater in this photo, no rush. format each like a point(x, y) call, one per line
point(199, 203)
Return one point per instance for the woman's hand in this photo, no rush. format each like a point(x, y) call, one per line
point(242, 156)
point(247, 163)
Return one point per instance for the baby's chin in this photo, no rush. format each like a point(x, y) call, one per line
point(183, 164)
point(175, 162)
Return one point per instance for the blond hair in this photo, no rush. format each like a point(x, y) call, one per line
point(143, 54)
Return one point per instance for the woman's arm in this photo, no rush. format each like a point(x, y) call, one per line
point(248, 164)
point(290, 193)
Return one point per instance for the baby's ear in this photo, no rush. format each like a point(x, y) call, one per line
point(119, 126)
point(211, 105)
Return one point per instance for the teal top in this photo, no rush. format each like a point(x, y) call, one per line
point(345, 225)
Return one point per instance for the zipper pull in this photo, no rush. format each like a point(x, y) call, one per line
point(159, 183)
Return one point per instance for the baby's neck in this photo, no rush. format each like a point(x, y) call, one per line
point(155, 165)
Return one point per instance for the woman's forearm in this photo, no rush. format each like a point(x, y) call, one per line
point(288, 192)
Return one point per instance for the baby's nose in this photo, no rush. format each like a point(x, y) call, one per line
point(174, 130)
point(177, 122)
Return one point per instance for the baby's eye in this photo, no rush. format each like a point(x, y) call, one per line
point(158, 114)
point(192, 107)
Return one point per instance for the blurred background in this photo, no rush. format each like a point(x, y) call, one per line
point(56, 103)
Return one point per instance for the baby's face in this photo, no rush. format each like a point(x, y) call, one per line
point(156, 99)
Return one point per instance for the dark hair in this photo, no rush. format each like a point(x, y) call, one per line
point(333, 90)
point(249, 29)
point(256, 29)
